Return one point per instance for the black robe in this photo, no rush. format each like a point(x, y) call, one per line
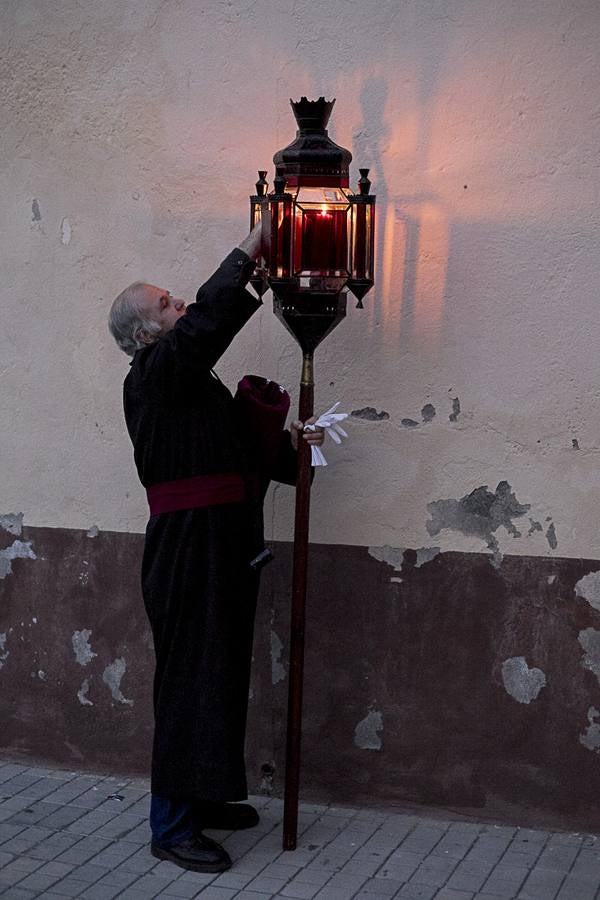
point(198, 587)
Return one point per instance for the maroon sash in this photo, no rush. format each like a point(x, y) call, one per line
point(199, 490)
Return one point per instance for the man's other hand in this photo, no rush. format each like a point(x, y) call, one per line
point(312, 437)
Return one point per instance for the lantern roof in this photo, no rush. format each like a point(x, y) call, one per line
point(313, 158)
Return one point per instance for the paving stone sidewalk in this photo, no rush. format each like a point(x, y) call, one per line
point(63, 834)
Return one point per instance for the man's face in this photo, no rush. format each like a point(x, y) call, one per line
point(161, 307)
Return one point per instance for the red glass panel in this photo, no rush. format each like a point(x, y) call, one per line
point(320, 240)
point(321, 231)
point(324, 240)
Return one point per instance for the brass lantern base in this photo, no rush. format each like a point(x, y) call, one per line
point(308, 316)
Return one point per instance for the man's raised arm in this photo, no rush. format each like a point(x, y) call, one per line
point(222, 307)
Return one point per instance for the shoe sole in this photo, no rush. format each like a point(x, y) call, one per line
point(209, 868)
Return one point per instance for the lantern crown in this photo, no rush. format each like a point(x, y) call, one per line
point(313, 158)
point(312, 114)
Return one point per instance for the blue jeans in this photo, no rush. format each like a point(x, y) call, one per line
point(171, 821)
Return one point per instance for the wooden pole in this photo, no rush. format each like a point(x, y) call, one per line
point(294, 722)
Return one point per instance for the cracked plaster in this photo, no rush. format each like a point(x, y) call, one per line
point(464, 277)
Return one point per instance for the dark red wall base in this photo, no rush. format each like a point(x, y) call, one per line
point(404, 693)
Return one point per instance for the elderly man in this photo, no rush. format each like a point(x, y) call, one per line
point(203, 548)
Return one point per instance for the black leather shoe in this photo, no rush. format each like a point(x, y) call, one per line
point(200, 854)
point(225, 816)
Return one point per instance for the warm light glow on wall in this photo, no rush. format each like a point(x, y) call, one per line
point(414, 245)
point(431, 268)
point(391, 267)
point(391, 130)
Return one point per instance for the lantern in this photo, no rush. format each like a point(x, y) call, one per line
point(318, 242)
point(318, 235)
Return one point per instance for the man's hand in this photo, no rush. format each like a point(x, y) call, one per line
point(252, 244)
point(312, 437)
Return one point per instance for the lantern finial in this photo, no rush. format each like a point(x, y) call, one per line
point(261, 185)
point(364, 185)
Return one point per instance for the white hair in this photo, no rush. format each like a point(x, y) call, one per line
point(128, 322)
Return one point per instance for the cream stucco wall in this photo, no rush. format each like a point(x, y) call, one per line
point(130, 137)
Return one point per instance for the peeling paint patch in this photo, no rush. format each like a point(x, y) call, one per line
point(82, 693)
point(277, 669)
point(551, 537)
point(112, 676)
point(589, 639)
point(455, 409)
point(4, 653)
point(13, 523)
point(17, 550)
point(65, 231)
point(409, 423)
point(74, 751)
point(366, 733)
point(521, 682)
point(551, 579)
point(428, 413)
point(591, 736)
point(426, 554)
point(535, 526)
point(81, 646)
point(267, 771)
point(93, 531)
point(36, 215)
point(479, 514)
point(575, 444)
point(42, 675)
point(394, 556)
point(588, 588)
point(370, 413)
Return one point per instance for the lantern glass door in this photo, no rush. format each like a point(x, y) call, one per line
point(321, 232)
point(255, 213)
point(279, 223)
point(361, 259)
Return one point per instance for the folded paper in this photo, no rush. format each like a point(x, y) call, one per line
point(330, 422)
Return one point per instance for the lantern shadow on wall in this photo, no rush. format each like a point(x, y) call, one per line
point(412, 240)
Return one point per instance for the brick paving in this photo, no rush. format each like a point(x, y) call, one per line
point(63, 834)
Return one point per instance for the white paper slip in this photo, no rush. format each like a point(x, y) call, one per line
point(330, 422)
